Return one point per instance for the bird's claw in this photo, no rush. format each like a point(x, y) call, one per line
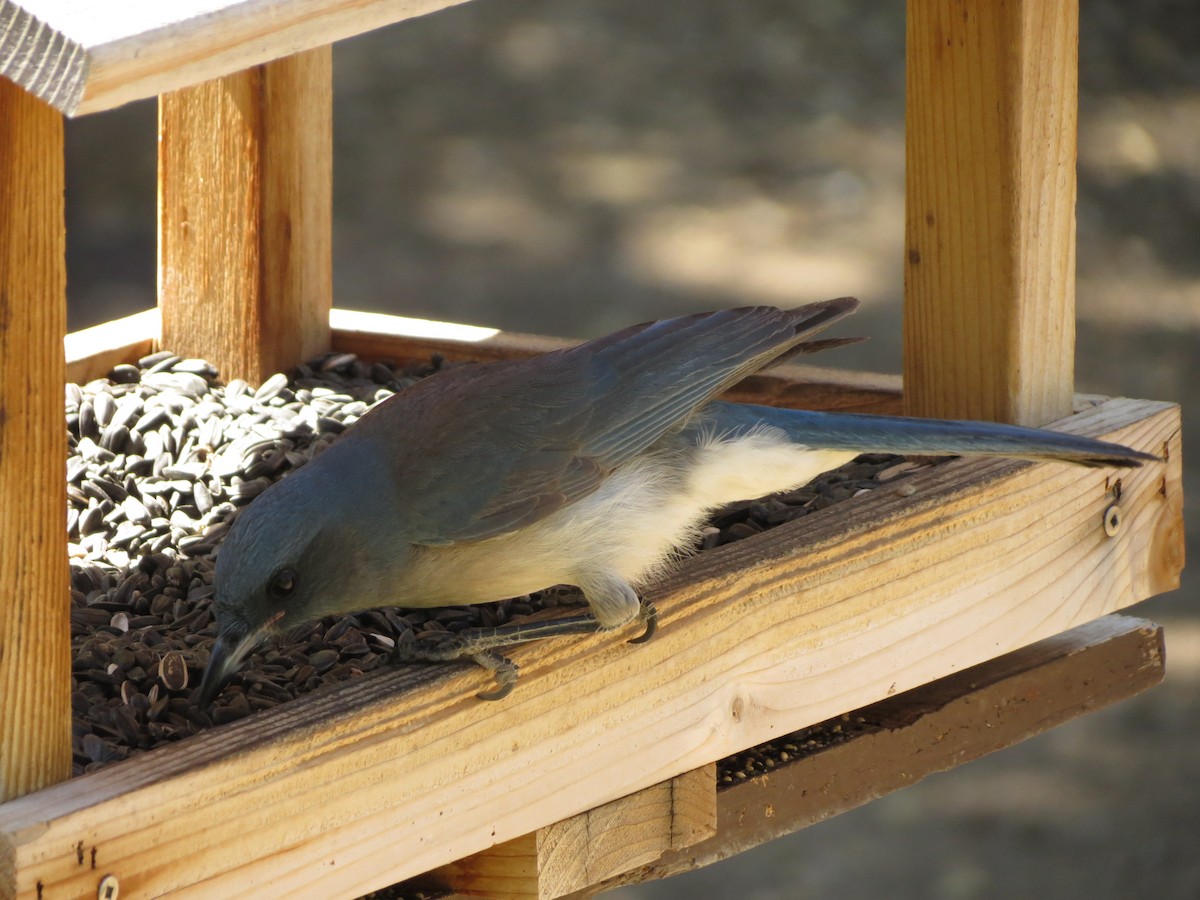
point(505, 671)
point(648, 615)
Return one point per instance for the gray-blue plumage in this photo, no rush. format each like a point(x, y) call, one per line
point(590, 466)
point(898, 434)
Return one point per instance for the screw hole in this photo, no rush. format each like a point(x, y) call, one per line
point(109, 888)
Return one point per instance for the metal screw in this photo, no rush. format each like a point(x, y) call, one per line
point(109, 888)
point(1112, 520)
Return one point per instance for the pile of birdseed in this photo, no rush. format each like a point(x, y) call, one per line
point(162, 457)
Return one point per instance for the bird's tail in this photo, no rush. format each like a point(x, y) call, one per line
point(896, 434)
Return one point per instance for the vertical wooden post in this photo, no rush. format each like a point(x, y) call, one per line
point(580, 852)
point(35, 637)
point(245, 221)
point(989, 318)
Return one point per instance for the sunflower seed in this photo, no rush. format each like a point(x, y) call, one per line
point(172, 671)
point(104, 406)
point(135, 511)
point(271, 387)
point(115, 437)
point(200, 367)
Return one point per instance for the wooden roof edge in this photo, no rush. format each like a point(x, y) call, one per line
point(83, 57)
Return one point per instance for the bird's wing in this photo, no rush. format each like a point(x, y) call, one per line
point(509, 443)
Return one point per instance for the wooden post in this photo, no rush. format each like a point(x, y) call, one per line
point(245, 170)
point(35, 637)
point(593, 846)
point(989, 318)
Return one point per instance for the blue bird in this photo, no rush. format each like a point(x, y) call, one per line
point(592, 466)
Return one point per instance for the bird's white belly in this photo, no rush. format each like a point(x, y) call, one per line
point(634, 525)
point(651, 513)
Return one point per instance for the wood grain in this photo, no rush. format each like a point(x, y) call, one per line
point(35, 662)
point(40, 58)
point(989, 312)
point(245, 217)
point(930, 729)
point(85, 57)
point(593, 846)
point(831, 612)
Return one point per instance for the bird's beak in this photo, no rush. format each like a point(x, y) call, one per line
point(228, 652)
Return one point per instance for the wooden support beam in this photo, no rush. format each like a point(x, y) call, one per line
point(35, 638)
point(991, 107)
point(401, 771)
point(593, 846)
point(245, 220)
point(930, 729)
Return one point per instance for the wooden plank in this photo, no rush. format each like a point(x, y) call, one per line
point(35, 658)
point(989, 312)
point(402, 339)
point(930, 729)
point(830, 612)
point(245, 217)
point(84, 57)
point(92, 352)
point(593, 846)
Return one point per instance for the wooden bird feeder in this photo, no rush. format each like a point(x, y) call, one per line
point(964, 616)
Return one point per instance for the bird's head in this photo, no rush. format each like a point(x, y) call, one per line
point(301, 550)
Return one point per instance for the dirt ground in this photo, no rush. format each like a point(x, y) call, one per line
point(568, 167)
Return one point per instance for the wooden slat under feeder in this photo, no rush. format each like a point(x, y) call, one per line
point(930, 729)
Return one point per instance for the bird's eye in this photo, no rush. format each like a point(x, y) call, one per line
point(282, 583)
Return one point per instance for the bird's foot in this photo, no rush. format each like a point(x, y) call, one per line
point(479, 645)
point(448, 646)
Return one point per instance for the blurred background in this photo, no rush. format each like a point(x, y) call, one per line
point(572, 166)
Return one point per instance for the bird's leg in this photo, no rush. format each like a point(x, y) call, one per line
point(479, 645)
